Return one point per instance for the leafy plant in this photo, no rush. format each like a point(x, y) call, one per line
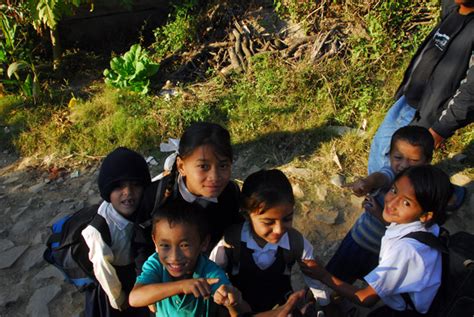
point(179, 30)
point(28, 86)
point(132, 70)
point(16, 52)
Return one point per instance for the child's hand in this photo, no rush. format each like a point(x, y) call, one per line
point(152, 308)
point(312, 269)
point(227, 295)
point(360, 187)
point(199, 287)
point(372, 206)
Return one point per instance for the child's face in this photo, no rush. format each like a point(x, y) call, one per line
point(178, 246)
point(126, 197)
point(206, 174)
point(401, 205)
point(272, 224)
point(404, 155)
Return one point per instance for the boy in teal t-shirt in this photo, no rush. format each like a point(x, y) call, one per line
point(177, 280)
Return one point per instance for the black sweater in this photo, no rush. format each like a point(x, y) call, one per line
point(447, 100)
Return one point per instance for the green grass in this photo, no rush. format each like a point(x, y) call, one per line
point(278, 112)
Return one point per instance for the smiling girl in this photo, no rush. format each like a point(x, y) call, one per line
point(259, 254)
point(200, 175)
point(407, 267)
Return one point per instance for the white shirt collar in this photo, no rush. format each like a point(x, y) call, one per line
point(188, 196)
point(107, 211)
point(395, 230)
point(247, 237)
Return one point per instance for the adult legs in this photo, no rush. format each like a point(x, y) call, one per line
point(399, 115)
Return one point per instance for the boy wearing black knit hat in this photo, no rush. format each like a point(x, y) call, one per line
point(122, 178)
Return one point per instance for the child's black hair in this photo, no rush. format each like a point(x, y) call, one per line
point(196, 135)
point(432, 190)
point(205, 133)
point(416, 136)
point(178, 211)
point(265, 189)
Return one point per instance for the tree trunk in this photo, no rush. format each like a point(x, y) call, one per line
point(56, 46)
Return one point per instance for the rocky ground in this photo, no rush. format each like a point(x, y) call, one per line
point(33, 198)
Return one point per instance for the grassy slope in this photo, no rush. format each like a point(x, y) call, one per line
point(277, 113)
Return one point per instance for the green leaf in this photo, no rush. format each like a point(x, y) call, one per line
point(15, 67)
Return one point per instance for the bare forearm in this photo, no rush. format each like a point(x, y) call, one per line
point(377, 180)
point(364, 297)
point(147, 294)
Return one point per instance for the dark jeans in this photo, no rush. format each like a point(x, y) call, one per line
point(351, 261)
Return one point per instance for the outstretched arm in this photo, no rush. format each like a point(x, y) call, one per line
point(147, 294)
point(366, 185)
point(364, 297)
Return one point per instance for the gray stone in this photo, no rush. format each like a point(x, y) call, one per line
point(16, 188)
point(11, 180)
point(338, 180)
point(18, 213)
point(33, 257)
point(80, 205)
point(86, 187)
point(38, 303)
point(328, 217)
point(40, 237)
point(297, 171)
point(68, 200)
point(21, 227)
point(460, 179)
point(8, 257)
point(10, 294)
point(29, 202)
point(297, 191)
point(49, 272)
point(57, 217)
point(306, 206)
point(5, 244)
point(75, 174)
point(253, 169)
point(357, 201)
point(93, 200)
point(331, 249)
point(341, 130)
point(321, 192)
point(36, 188)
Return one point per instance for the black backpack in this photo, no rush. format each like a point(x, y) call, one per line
point(67, 250)
point(455, 297)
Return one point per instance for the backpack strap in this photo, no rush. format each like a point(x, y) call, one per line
point(295, 253)
point(232, 250)
point(429, 239)
point(160, 198)
point(101, 225)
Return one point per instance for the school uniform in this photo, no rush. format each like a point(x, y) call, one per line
point(406, 266)
point(263, 277)
point(113, 266)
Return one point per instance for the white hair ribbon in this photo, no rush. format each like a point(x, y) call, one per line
point(171, 146)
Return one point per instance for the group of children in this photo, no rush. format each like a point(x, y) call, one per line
point(192, 244)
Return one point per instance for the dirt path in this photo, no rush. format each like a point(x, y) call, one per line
point(31, 201)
